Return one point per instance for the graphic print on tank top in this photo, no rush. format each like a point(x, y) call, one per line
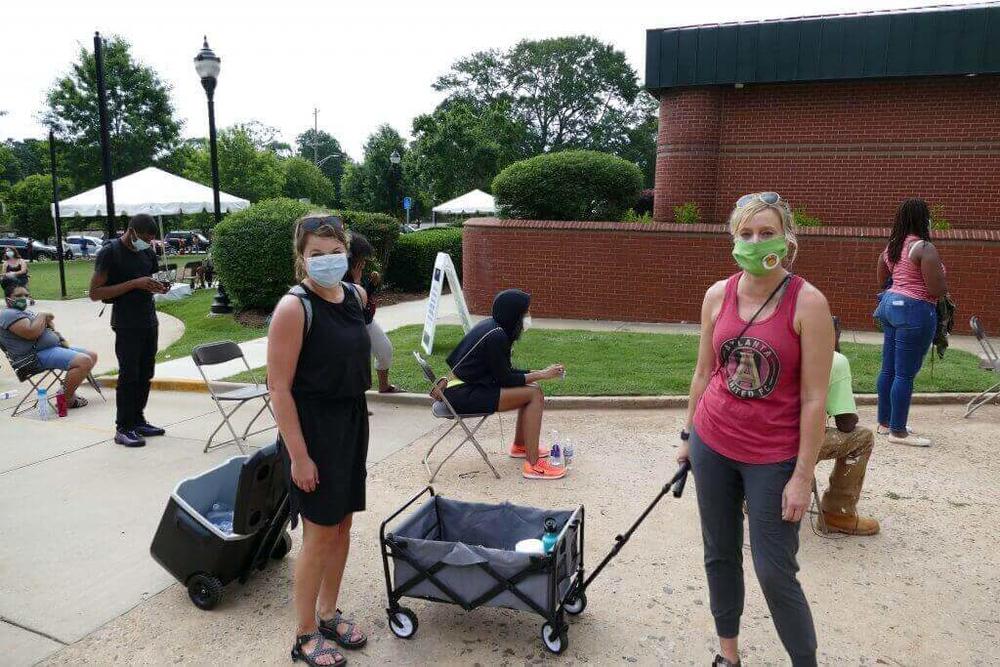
point(751, 367)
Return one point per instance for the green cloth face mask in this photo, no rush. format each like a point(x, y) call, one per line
point(18, 303)
point(762, 257)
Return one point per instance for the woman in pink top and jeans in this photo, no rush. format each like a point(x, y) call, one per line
point(756, 418)
point(908, 314)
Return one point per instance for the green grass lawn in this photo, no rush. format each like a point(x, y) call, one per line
point(200, 328)
point(635, 364)
point(43, 279)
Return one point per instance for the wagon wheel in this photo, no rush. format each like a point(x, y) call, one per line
point(403, 623)
point(555, 643)
point(575, 604)
point(282, 546)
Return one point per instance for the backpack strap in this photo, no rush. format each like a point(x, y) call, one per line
point(352, 288)
point(300, 293)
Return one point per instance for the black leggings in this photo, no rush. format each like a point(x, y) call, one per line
point(722, 485)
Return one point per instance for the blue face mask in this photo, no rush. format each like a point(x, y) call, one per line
point(139, 245)
point(327, 270)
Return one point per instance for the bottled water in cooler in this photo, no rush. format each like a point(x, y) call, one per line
point(221, 516)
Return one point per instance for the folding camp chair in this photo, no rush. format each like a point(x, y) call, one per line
point(442, 409)
point(211, 354)
point(991, 362)
point(38, 378)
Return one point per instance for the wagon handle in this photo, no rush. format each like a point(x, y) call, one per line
point(381, 530)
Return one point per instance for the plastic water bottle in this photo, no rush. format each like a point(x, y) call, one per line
point(550, 535)
point(7, 395)
point(567, 452)
point(556, 456)
point(44, 409)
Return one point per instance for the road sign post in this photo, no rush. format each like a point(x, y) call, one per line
point(407, 204)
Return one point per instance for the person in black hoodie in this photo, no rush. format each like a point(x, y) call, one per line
point(483, 380)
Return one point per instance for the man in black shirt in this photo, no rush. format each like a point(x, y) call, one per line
point(123, 277)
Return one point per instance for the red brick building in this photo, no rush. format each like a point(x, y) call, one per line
point(845, 116)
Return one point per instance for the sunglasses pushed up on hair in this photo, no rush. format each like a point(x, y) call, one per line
point(312, 224)
point(769, 198)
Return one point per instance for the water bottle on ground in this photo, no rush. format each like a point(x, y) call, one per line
point(550, 535)
point(555, 450)
point(567, 452)
point(44, 409)
point(7, 395)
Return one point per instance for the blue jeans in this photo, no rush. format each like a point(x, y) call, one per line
point(908, 325)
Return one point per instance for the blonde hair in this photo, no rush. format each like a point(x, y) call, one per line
point(742, 214)
point(333, 229)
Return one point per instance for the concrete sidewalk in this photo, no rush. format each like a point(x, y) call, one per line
point(78, 321)
point(79, 512)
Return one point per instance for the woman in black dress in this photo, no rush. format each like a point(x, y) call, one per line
point(318, 370)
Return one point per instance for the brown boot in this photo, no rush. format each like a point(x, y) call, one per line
point(849, 524)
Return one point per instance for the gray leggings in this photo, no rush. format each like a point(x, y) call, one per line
point(722, 484)
point(381, 347)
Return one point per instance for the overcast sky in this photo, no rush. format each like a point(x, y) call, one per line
point(361, 63)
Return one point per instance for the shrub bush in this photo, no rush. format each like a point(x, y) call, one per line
point(632, 215)
point(939, 223)
point(687, 213)
point(645, 203)
point(568, 185)
point(381, 230)
point(252, 251)
point(803, 219)
point(412, 260)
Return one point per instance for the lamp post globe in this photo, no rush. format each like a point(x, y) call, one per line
point(394, 158)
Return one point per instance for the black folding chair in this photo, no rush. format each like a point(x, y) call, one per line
point(991, 363)
point(38, 378)
point(212, 354)
point(442, 409)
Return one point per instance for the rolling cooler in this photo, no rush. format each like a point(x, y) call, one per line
point(463, 553)
point(202, 556)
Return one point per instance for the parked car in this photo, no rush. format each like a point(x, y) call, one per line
point(194, 241)
point(38, 252)
point(80, 245)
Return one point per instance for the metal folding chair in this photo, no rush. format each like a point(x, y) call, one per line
point(211, 354)
point(992, 364)
point(44, 378)
point(442, 409)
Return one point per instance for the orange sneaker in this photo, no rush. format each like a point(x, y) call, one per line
point(542, 470)
point(519, 452)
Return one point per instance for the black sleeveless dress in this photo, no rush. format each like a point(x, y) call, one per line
point(331, 378)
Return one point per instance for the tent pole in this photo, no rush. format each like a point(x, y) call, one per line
point(163, 244)
point(56, 215)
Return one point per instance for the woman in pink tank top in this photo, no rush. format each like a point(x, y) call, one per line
point(756, 419)
point(907, 312)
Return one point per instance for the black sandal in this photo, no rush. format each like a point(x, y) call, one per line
point(329, 630)
point(298, 653)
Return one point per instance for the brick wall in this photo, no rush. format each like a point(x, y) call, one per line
point(848, 152)
point(659, 272)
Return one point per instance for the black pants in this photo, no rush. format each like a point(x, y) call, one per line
point(722, 485)
point(136, 352)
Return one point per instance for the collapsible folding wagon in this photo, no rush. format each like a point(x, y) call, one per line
point(463, 553)
point(206, 558)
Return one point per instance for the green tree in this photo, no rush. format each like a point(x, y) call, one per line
point(245, 170)
point(140, 114)
point(375, 185)
point(29, 202)
point(569, 92)
point(458, 148)
point(303, 179)
point(333, 160)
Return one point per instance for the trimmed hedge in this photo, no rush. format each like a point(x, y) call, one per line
point(568, 185)
point(412, 260)
point(252, 251)
point(381, 230)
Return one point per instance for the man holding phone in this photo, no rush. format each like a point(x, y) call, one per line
point(123, 277)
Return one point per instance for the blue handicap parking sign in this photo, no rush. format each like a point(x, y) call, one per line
point(407, 203)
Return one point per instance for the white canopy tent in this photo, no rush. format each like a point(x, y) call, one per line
point(476, 201)
point(151, 191)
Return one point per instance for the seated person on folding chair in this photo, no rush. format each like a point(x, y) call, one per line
point(850, 445)
point(24, 331)
point(484, 381)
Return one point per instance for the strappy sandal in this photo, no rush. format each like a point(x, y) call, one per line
point(329, 630)
point(299, 653)
point(77, 402)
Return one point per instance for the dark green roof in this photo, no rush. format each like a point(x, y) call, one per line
point(924, 42)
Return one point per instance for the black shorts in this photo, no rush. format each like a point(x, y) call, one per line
point(474, 398)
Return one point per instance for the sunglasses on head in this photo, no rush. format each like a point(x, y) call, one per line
point(769, 198)
point(312, 224)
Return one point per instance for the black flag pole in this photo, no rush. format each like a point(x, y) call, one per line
point(55, 213)
point(102, 107)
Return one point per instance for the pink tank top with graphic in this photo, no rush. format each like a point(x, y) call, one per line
point(750, 410)
point(907, 278)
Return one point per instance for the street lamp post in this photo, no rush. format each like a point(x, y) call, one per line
point(395, 159)
point(207, 65)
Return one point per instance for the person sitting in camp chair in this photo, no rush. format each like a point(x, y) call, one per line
point(850, 445)
point(25, 332)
